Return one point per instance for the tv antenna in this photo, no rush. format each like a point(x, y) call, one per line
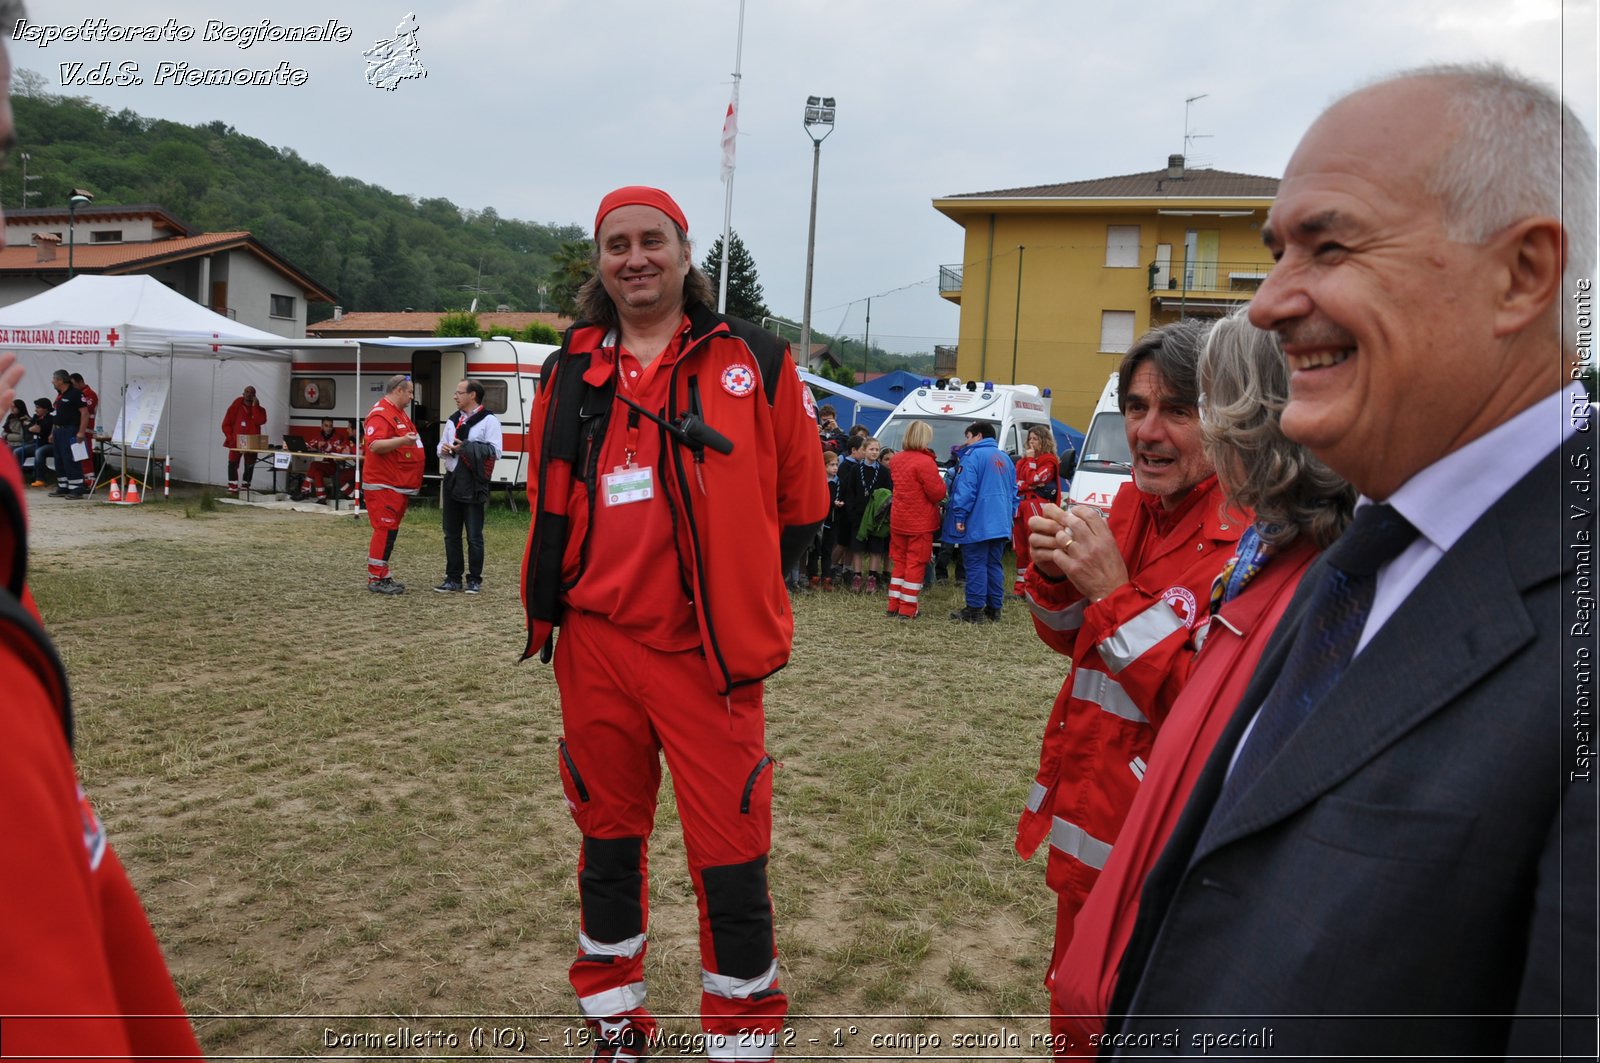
point(1188, 133)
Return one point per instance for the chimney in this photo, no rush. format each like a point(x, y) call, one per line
point(338, 312)
point(44, 246)
point(1175, 167)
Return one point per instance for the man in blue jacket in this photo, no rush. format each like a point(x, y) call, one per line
point(983, 498)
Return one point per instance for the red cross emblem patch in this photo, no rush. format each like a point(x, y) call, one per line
point(738, 380)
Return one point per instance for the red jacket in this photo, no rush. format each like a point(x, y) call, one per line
point(1130, 656)
point(732, 507)
point(399, 469)
point(78, 962)
point(918, 490)
point(1086, 973)
point(242, 419)
point(338, 443)
point(1039, 477)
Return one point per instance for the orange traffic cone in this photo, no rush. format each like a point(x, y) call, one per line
point(116, 490)
point(133, 492)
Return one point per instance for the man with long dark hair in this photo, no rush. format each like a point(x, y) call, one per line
point(677, 477)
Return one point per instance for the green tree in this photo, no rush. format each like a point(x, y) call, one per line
point(571, 268)
point(458, 323)
point(745, 297)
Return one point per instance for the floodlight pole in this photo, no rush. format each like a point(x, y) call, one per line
point(818, 115)
point(79, 198)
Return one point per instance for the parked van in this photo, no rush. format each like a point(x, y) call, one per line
point(1106, 463)
point(323, 383)
point(1011, 408)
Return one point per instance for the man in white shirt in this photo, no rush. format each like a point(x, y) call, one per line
point(1391, 851)
point(470, 443)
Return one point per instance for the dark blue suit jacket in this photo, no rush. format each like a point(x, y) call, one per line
point(1415, 872)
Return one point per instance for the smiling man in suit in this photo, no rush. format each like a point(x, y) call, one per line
point(1392, 849)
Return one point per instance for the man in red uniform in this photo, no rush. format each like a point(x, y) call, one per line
point(1119, 596)
point(390, 474)
point(331, 440)
point(81, 974)
point(91, 403)
point(245, 417)
point(660, 551)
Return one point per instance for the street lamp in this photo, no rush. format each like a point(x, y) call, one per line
point(79, 198)
point(819, 116)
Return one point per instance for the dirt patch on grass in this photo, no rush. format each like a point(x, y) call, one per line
point(340, 804)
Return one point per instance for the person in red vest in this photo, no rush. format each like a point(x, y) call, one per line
point(390, 475)
point(245, 417)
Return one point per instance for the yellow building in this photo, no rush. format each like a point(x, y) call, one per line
point(1056, 281)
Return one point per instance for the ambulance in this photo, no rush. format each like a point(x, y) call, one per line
point(1011, 408)
point(1106, 463)
point(334, 384)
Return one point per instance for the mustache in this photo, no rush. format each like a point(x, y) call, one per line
point(1315, 334)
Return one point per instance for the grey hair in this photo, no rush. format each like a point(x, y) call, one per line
point(1174, 351)
point(1245, 384)
point(1517, 151)
point(395, 383)
point(594, 302)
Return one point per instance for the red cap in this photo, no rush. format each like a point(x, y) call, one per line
point(640, 195)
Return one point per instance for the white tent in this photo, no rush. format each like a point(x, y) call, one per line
point(116, 329)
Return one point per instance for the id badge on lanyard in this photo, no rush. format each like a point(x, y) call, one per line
point(629, 482)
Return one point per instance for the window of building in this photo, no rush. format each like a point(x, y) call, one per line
point(1122, 246)
point(1116, 331)
point(105, 236)
point(312, 393)
point(283, 306)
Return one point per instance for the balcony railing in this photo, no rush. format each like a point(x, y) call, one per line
point(1207, 277)
point(950, 279)
point(944, 359)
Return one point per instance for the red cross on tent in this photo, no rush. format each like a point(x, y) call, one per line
point(112, 336)
point(214, 346)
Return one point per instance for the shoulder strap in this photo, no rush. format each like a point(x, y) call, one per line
point(575, 419)
point(766, 348)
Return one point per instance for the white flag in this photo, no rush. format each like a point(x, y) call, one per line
point(730, 130)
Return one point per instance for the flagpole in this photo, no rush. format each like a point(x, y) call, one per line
point(730, 129)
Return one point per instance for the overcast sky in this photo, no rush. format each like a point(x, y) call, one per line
point(537, 108)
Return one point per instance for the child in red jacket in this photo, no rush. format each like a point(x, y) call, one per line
point(914, 518)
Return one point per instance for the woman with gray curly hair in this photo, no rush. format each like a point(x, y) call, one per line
point(1300, 507)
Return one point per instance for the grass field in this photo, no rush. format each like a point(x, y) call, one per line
point(336, 804)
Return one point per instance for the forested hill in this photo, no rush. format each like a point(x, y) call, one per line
point(377, 250)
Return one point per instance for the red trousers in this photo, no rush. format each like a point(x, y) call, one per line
point(624, 705)
point(909, 554)
point(1028, 507)
point(385, 511)
point(319, 471)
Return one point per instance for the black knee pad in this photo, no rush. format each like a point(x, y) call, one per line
point(740, 913)
point(609, 888)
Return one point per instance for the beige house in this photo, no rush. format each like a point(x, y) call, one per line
point(231, 273)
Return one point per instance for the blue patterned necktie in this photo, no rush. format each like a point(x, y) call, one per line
point(1335, 617)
